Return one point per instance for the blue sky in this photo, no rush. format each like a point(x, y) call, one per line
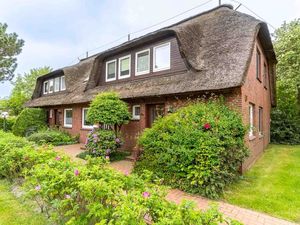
point(57, 32)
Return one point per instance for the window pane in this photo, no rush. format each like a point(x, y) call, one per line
point(56, 84)
point(143, 62)
point(51, 86)
point(46, 87)
point(62, 83)
point(162, 57)
point(68, 117)
point(137, 111)
point(111, 70)
point(124, 66)
point(86, 123)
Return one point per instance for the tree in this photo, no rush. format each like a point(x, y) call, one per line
point(10, 46)
point(285, 123)
point(23, 88)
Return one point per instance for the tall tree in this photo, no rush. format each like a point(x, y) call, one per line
point(10, 47)
point(24, 87)
point(285, 123)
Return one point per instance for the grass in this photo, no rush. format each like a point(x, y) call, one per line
point(14, 212)
point(114, 156)
point(272, 185)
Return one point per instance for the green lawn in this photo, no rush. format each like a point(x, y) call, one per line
point(272, 185)
point(14, 212)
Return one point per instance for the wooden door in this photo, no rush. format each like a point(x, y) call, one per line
point(154, 111)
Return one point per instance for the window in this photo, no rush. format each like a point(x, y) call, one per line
point(68, 117)
point(85, 123)
point(260, 121)
point(251, 119)
point(265, 76)
point(56, 84)
point(50, 114)
point(161, 57)
point(46, 87)
point(258, 65)
point(142, 62)
point(124, 67)
point(51, 86)
point(111, 70)
point(62, 83)
point(136, 111)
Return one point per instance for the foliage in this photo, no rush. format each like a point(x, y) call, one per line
point(52, 136)
point(114, 156)
point(199, 148)
point(7, 124)
point(272, 184)
point(72, 193)
point(287, 47)
point(102, 143)
point(23, 89)
point(30, 120)
point(107, 108)
point(10, 47)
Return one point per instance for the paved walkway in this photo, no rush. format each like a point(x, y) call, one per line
point(246, 216)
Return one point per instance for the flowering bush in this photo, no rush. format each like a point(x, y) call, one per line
point(102, 143)
point(199, 148)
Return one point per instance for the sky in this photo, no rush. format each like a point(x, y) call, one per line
point(59, 32)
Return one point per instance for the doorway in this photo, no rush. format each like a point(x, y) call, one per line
point(153, 112)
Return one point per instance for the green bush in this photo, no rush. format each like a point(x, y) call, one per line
point(199, 148)
point(29, 121)
point(72, 193)
point(114, 156)
point(54, 137)
point(9, 122)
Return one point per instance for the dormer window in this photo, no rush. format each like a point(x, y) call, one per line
point(124, 67)
point(46, 87)
point(111, 70)
point(161, 57)
point(56, 84)
point(142, 62)
point(51, 86)
point(62, 83)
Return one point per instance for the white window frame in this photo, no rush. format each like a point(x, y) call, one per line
point(154, 59)
point(55, 80)
point(119, 71)
point(45, 91)
point(50, 113)
point(251, 119)
point(61, 83)
point(68, 125)
point(106, 70)
point(136, 117)
point(136, 60)
point(82, 119)
point(51, 80)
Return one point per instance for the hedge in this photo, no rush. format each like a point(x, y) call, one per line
point(10, 121)
point(198, 149)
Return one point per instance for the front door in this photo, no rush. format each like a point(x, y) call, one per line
point(56, 117)
point(154, 111)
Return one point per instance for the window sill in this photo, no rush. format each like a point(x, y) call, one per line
point(87, 128)
point(252, 137)
point(135, 119)
point(67, 127)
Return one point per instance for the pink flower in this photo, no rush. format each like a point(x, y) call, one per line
point(57, 158)
point(76, 172)
point(107, 157)
point(38, 188)
point(126, 173)
point(207, 126)
point(67, 196)
point(146, 194)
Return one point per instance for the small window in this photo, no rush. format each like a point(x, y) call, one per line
point(161, 57)
point(136, 111)
point(46, 87)
point(251, 119)
point(124, 67)
point(68, 115)
point(85, 123)
point(62, 83)
point(265, 76)
point(258, 65)
point(260, 120)
point(56, 84)
point(111, 70)
point(142, 62)
point(50, 114)
point(51, 86)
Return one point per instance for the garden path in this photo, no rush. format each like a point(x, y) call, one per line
point(246, 216)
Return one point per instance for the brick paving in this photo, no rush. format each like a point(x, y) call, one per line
point(246, 216)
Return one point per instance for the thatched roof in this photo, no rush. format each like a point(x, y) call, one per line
point(216, 45)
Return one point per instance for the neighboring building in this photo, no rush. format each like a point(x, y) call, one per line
point(220, 51)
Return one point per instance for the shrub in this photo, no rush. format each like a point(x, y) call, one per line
point(199, 148)
point(54, 137)
point(9, 122)
point(114, 156)
point(29, 121)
